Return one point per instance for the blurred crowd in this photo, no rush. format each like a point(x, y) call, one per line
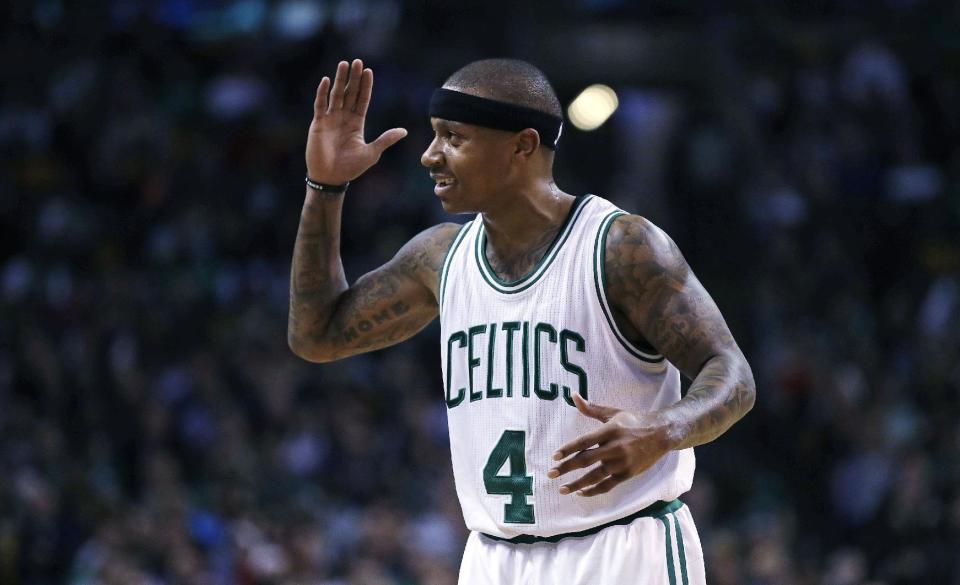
point(154, 427)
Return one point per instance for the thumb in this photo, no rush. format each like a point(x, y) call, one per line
point(388, 139)
point(596, 411)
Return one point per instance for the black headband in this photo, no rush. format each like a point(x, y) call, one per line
point(470, 109)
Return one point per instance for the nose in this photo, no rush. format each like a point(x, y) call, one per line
point(431, 157)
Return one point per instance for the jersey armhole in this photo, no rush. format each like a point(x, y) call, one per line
point(447, 260)
point(600, 283)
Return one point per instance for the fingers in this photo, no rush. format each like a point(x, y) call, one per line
point(364, 92)
point(595, 411)
point(593, 476)
point(321, 101)
point(388, 139)
point(351, 89)
point(353, 85)
point(604, 486)
point(581, 460)
point(339, 86)
point(582, 442)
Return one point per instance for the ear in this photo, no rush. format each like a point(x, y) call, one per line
point(527, 142)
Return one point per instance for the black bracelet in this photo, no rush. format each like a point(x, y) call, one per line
point(324, 188)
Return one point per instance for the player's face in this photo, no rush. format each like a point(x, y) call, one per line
point(471, 165)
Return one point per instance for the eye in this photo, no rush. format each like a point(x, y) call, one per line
point(455, 139)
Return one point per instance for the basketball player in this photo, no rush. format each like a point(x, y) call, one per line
point(565, 323)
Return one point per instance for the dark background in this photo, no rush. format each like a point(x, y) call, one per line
point(154, 427)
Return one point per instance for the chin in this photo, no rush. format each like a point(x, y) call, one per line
point(455, 207)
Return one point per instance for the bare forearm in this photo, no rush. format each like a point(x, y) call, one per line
point(719, 396)
point(316, 274)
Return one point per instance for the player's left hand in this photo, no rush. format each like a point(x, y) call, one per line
point(624, 446)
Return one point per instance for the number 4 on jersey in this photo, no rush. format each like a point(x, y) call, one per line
point(518, 485)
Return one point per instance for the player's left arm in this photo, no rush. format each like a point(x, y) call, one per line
point(653, 290)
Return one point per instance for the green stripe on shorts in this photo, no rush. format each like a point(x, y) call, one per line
point(670, 571)
point(683, 556)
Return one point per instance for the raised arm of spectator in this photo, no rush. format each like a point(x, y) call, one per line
point(328, 318)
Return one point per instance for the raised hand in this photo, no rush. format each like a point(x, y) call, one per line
point(624, 446)
point(336, 150)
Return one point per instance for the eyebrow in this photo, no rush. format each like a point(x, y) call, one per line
point(441, 124)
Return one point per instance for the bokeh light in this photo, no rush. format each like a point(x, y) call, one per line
point(594, 105)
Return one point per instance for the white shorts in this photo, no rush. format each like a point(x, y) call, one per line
point(662, 550)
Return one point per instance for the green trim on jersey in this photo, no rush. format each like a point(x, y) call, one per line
point(600, 280)
point(525, 282)
point(655, 510)
point(448, 258)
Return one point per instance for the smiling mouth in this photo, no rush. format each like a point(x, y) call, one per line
point(443, 184)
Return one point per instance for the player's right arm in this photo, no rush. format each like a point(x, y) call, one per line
point(328, 318)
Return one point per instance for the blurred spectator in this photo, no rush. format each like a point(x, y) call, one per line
point(155, 429)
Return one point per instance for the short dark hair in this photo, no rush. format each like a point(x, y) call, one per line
point(508, 80)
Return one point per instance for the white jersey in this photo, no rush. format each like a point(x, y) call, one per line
point(512, 355)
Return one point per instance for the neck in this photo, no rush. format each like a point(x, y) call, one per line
point(526, 218)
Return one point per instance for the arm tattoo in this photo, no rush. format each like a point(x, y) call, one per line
point(655, 292)
point(329, 320)
point(316, 273)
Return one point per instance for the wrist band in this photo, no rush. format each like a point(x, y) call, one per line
point(324, 188)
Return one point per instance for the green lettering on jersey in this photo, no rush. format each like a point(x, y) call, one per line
point(491, 391)
point(460, 337)
point(526, 358)
point(510, 327)
point(581, 346)
point(554, 390)
point(473, 362)
point(518, 485)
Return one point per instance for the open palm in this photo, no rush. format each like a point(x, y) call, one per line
point(336, 150)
